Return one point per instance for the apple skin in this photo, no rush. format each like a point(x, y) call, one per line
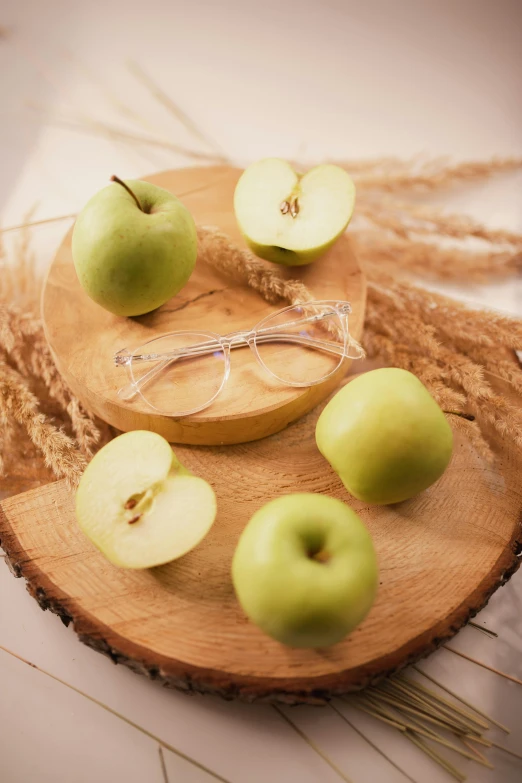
point(295, 599)
point(131, 261)
point(385, 436)
point(286, 257)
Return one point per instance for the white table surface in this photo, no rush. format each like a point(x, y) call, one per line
point(300, 79)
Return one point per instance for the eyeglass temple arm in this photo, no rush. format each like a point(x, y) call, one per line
point(203, 349)
point(125, 359)
point(238, 338)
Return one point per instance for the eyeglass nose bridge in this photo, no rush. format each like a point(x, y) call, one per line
point(241, 337)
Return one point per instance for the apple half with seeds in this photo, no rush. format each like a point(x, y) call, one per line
point(289, 218)
point(138, 504)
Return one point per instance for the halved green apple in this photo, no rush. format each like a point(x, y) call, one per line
point(289, 218)
point(139, 505)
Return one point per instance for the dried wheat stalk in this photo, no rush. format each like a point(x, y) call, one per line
point(28, 376)
point(216, 249)
point(449, 346)
point(430, 261)
point(456, 351)
point(20, 405)
point(429, 175)
point(408, 219)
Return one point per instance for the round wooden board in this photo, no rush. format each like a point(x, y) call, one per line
point(84, 337)
point(441, 555)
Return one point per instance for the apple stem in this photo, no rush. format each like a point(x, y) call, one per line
point(467, 416)
point(321, 557)
point(119, 181)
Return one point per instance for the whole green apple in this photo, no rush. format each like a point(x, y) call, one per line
point(305, 570)
point(134, 246)
point(292, 218)
point(385, 436)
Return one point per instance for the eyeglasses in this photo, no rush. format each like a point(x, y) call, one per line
point(300, 345)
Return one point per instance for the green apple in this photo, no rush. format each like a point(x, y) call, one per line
point(290, 218)
point(134, 246)
point(139, 505)
point(385, 436)
point(305, 570)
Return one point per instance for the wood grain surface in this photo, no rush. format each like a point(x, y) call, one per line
point(84, 337)
point(441, 555)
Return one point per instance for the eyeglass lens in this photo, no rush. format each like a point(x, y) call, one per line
point(309, 346)
point(184, 383)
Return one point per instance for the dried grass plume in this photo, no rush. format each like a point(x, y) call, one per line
point(464, 356)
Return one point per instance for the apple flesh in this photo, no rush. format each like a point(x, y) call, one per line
point(131, 259)
point(385, 436)
point(289, 218)
point(139, 505)
point(305, 570)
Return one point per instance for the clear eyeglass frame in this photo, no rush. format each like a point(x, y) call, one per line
point(331, 315)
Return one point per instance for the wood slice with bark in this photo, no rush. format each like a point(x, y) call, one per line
point(441, 556)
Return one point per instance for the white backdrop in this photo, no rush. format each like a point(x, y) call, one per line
point(303, 79)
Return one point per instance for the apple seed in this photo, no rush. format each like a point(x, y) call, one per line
point(284, 207)
point(294, 207)
point(135, 519)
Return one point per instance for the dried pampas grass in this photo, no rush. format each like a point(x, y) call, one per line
point(456, 351)
point(391, 175)
point(464, 356)
point(431, 261)
point(216, 249)
point(20, 405)
point(36, 407)
point(461, 354)
point(451, 348)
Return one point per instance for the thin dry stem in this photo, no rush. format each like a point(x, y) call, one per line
point(31, 223)
point(437, 175)
point(311, 744)
point(505, 675)
point(160, 95)
point(87, 125)
point(27, 369)
point(475, 709)
point(371, 743)
point(429, 261)
point(425, 717)
point(408, 220)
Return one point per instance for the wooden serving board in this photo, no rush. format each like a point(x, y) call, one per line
point(441, 555)
point(84, 337)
